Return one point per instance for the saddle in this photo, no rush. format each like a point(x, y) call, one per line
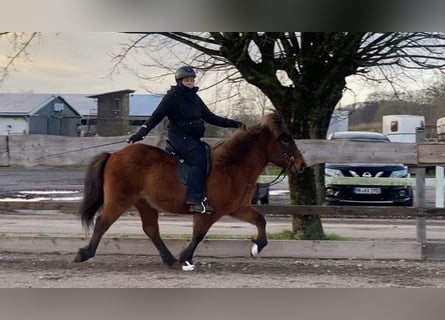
point(183, 166)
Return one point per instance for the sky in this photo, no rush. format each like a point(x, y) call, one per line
point(80, 62)
point(69, 63)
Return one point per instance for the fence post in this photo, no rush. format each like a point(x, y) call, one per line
point(439, 186)
point(419, 200)
point(4, 151)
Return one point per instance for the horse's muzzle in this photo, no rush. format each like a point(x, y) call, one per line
point(299, 167)
point(295, 165)
point(302, 167)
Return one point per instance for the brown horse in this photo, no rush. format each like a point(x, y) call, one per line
point(147, 177)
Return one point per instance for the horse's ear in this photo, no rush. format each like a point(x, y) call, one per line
point(279, 116)
point(282, 121)
point(284, 127)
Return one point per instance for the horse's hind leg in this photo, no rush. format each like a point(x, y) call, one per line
point(251, 215)
point(149, 217)
point(109, 215)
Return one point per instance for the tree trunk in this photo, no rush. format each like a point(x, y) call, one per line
point(308, 187)
point(303, 190)
point(306, 105)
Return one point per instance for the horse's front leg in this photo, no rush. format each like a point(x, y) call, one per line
point(201, 225)
point(251, 215)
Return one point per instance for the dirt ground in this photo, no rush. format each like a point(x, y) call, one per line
point(18, 270)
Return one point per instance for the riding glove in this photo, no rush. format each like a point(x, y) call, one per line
point(139, 135)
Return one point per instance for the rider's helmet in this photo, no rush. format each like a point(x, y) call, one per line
point(184, 72)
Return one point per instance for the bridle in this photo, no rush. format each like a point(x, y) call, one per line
point(285, 171)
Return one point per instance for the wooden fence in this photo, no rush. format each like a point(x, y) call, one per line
point(55, 150)
point(31, 150)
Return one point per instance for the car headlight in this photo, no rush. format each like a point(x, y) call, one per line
point(399, 173)
point(333, 172)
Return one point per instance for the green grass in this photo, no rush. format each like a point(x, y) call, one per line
point(283, 235)
point(273, 170)
point(12, 166)
point(289, 235)
point(336, 237)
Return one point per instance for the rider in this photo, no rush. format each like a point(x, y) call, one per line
point(186, 113)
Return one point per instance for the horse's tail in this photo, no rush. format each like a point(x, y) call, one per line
point(93, 198)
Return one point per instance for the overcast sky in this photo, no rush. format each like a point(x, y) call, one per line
point(80, 63)
point(69, 63)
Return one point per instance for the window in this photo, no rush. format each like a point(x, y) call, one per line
point(394, 126)
point(117, 107)
point(58, 106)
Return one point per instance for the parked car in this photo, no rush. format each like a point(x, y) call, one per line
point(261, 193)
point(355, 194)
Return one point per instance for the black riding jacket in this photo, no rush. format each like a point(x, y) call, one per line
point(186, 113)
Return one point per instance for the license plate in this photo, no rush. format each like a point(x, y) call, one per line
point(367, 190)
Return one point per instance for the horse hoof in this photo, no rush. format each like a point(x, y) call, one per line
point(187, 266)
point(82, 255)
point(79, 258)
point(254, 250)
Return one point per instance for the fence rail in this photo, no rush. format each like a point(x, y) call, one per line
point(55, 150)
point(352, 249)
point(277, 210)
point(31, 150)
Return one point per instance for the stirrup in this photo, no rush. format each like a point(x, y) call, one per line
point(202, 207)
point(208, 208)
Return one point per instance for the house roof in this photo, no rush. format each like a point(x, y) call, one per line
point(27, 103)
point(120, 92)
point(23, 103)
point(80, 102)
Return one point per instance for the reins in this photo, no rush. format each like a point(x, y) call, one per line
point(81, 149)
point(283, 173)
point(276, 181)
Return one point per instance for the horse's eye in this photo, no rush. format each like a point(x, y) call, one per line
point(285, 140)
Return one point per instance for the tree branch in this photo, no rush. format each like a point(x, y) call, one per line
point(19, 49)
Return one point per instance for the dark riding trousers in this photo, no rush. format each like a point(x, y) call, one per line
point(192, 151)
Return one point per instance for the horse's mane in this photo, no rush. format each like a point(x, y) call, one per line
point(238, 145)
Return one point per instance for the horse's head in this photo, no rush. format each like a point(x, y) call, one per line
point(281, 149)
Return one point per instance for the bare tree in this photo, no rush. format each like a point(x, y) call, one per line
point(304, 76)
point(19, 43)
point(255, 98)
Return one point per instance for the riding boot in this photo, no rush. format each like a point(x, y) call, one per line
point(202, 207)
point(195, 191)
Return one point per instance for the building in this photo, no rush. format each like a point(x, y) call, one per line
point(113, 113)
point(141, 106)
point(20, 113)
point(29, 113)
